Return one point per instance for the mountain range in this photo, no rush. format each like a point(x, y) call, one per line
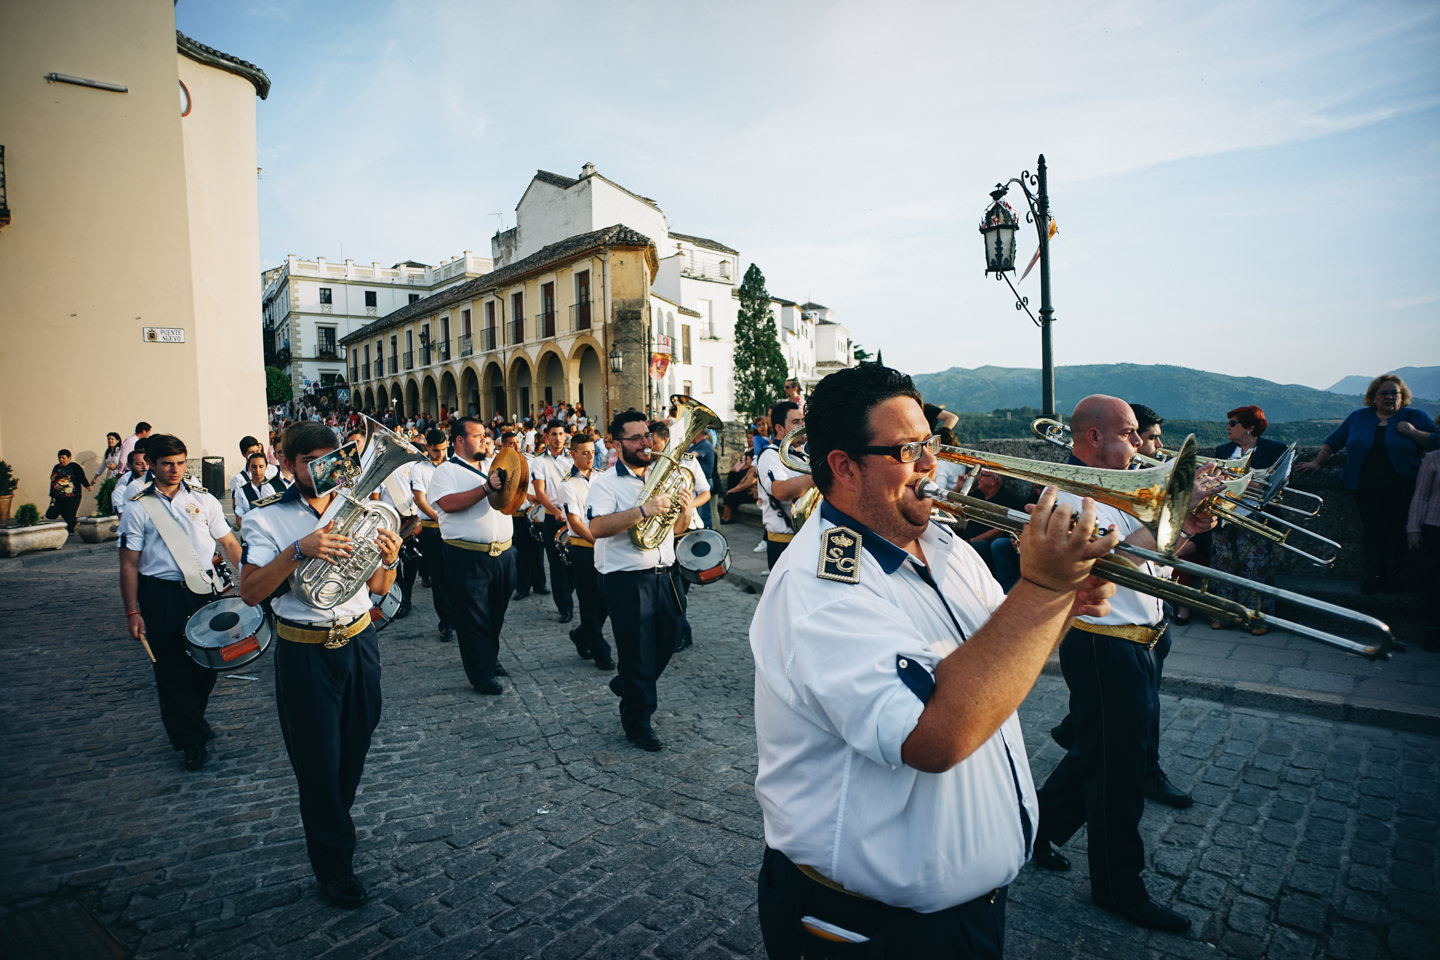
point(1177, 393)
point(1422, 381)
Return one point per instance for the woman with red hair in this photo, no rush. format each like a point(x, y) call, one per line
point(1383, 442)
point(1233, 549)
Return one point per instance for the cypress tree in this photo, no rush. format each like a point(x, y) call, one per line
point(760, 367)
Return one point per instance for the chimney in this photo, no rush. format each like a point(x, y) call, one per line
point(587, 171)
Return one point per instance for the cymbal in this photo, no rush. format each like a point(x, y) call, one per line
point(510, 498)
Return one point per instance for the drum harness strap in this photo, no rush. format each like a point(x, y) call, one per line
point(197, 580)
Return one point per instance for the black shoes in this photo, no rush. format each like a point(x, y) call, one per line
point(685, 644)
point(604, 662)
point(579, 647)
point(567, 616)
point(1048, 858)
point(500, 670)
point(195, 757)
point(542, 592)
point(344, 892)
point(1151, 916)
point(489, 686)
point(1063, 733)
point(645, 739)
point(1159, 788)
point(402, 612)
point(615, 685)
point(445, 633)
point(521, 594)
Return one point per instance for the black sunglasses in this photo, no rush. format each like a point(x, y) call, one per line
point(907, 452)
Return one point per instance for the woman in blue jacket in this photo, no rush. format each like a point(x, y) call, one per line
point(1383, 442)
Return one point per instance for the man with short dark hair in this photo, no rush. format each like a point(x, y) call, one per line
point(548, 471)
point(779, 485)
point(327, 661)
point(66, 479)
point(259, 484)
point(248, 447)
point(138, 466)
point(889, 666)
point(645, 612)
point(588, 635)
point(432, 547)
point(168, 537)
point(700, 497)
point(142, 430)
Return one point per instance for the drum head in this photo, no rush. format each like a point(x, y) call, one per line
point(511, 497)
point(227, 634)
point(382, 609)
point(703, 556)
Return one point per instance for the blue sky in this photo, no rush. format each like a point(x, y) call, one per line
point(1249, 188)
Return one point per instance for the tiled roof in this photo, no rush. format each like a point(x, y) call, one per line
point(812, 305)
point(410, 263)
point(783, 302)
point(200, 53)
point(702, 242)
point(554, 179)
point(618, 235)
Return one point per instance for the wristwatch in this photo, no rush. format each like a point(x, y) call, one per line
point(391, 566)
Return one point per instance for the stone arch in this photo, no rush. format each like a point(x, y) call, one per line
point(492, 391)
point(520, 385)
point(552, 379)
point(449, 394)
point(382, 400)
point(369, 401)
point(588, 375)
point(470, 400)
point(412, 398)
point(430, 397)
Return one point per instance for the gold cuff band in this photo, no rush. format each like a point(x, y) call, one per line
point(1145, 636)
point(492, 549)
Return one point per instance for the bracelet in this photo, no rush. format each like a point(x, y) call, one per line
point(390, 566)
point(297, 556)
point(132, 613)
point(641, 508)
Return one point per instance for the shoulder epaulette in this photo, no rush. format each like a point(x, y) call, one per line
point(839, 555)
point(266, 501)
point(144, 488)
point(194, 484)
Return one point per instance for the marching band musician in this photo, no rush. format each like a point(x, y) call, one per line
point(327, 670)
point(645, 610)
point(479, 564)
point(138, 466)
point(1109, 664)
point(588, 635)
point(396, 491)
point(779, 485)
point(889, 664)
point(262, 481)
point(248, 447)
point(168, 535)
point(659, 439)
point(548, 472)
point(529, 557)
point(432, 548)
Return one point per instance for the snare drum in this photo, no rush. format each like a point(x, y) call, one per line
point(562, 545)
point(382, 609)
point(227, 634)
point(703, 556)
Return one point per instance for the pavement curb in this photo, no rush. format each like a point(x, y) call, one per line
point(32, 560)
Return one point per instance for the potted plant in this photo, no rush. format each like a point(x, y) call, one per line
point(104, 524)
point(30, 533)
point(8, 483)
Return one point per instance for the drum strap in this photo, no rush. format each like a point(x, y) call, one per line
point(196, 579)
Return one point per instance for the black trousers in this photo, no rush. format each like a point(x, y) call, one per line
point(329, 704)
point(773, 551)
point(645, 614)
point(64, 508)
point(560, 573)
point(1384, 509)
point(682, 589)
point(592, 603)
point(432, 555)
point(529, 557)
point(1099, 783)
point(183, 685)
point(1152, 745)
point(409, 566)
point(480, 587)
point(970, 930)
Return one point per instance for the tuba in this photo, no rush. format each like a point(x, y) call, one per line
point(325, 585)
point(667, 476)
point(805, 504)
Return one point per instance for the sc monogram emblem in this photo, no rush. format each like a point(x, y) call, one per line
point(840, 555)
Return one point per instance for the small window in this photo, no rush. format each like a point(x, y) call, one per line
point(685, 344)
point(326, 340)
point(371, 298)
point(414, 297)
point(325, 295)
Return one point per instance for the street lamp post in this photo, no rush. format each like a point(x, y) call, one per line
point(999, 226)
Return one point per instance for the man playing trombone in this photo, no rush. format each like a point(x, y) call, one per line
point(1109, 665)
point(892, 774)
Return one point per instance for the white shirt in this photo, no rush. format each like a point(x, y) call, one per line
point(119, 500)
point(551, 471)
point(768, 469)
point(702, 485)
point(616, 491)
point(832, 713)
point(272, 530)
point(575, 492)
point(1127, 606)
point(267, 489)
point(243, 477)
point(199, 515)
point(480, 523)
point(400, 479)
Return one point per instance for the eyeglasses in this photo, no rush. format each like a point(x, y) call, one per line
point(1387, 393)
point(907, 452)
point(637, 436)
point(1233, 423)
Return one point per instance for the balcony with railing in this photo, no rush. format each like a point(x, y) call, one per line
point(467, 345)
point(516, 331)
point(579, 317)
point(487, 339)
point(545, 324)
point(409, 359)
point(443, 350)
point(282, 355)
point(377, 369)
point(425, 355)
point(394, 363)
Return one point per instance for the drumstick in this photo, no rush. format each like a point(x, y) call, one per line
point(148, 652)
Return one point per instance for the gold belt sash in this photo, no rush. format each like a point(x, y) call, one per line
point(492, 549)
point(779, 538)
point(334, 637)
point(574, 542)
point(430, 524)
point(1147, 636)
point(825, 881)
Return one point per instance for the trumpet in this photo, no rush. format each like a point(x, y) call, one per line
point(1234, 504)
point(1159, 502)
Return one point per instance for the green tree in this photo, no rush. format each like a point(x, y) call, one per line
point(277, 386)
point(760, 367)
point(861, 354)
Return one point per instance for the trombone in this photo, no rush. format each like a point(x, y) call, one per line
point(1235, 504)
point(1159, 501)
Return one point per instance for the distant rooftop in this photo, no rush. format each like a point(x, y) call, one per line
point(209, 56)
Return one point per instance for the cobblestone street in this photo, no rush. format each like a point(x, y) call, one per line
point(526, 826)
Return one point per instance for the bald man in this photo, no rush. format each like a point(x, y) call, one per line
point(1109, 666)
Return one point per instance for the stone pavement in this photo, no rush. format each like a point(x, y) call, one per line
point(524, 825)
